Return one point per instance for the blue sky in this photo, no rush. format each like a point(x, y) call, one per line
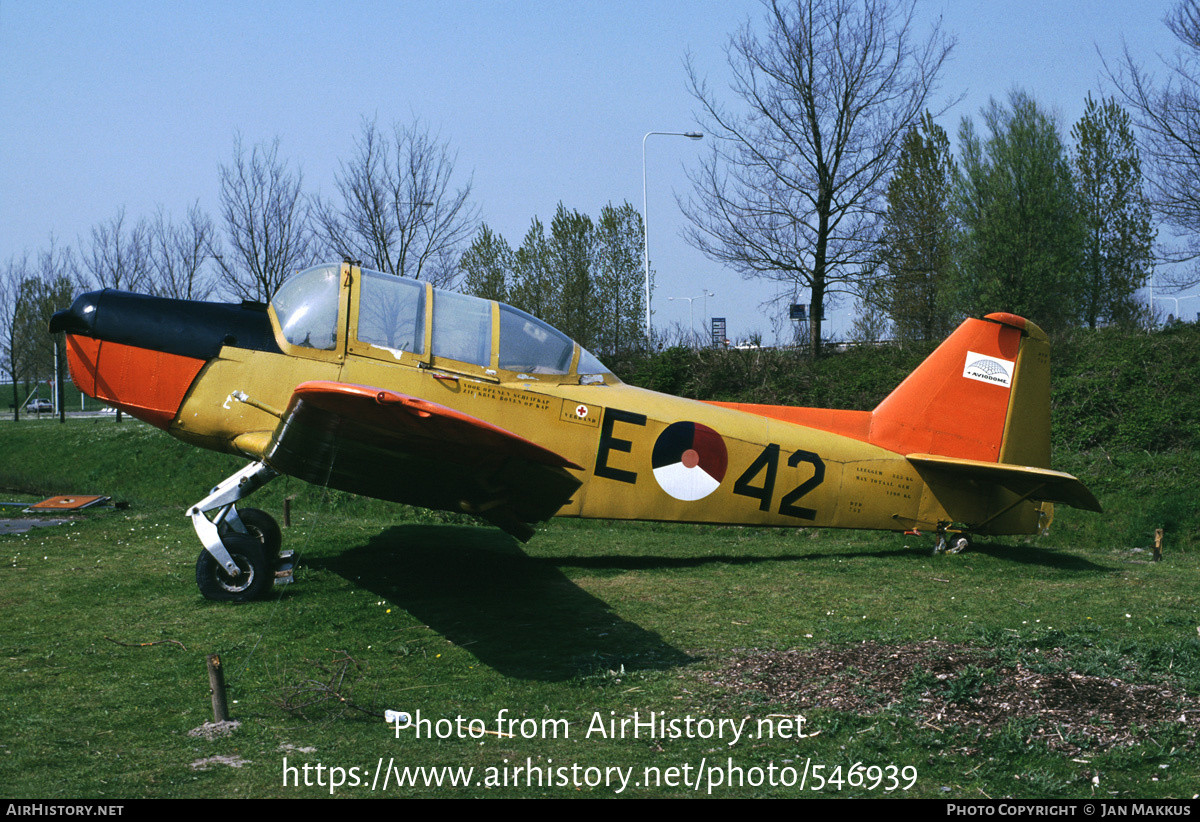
point(135, 104)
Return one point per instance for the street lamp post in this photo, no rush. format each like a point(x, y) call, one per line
point(1178, 300)
point(691, 135)
point(692, 310)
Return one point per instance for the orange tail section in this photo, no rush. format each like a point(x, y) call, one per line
point(974, 415)
point(988, 380)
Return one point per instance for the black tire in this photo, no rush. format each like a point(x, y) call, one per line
point(256, 577)
point(262, 526)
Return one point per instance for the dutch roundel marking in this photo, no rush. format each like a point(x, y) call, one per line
point(689, 460)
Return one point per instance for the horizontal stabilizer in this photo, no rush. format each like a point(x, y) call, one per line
point(1040, 484)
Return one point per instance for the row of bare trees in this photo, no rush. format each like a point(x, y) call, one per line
point(397, 207)
point(31, 289)
point(152, 255)
point(824, 94)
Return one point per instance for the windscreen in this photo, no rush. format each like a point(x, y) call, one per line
point(529, 345)
point(307, 307)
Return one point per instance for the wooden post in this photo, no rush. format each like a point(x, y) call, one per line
point(216, 682)
point(1158, 544)
point(287, 512)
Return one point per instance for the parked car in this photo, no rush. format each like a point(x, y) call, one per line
point(38, 406)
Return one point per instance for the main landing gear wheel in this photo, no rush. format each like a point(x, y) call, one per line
point(255, 573)
point(262, 526)
point(243, 549)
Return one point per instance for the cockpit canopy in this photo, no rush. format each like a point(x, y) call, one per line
point(307, 308)
point(391, 315)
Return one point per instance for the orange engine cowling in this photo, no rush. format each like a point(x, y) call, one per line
point(147, 384)
point(142, 353)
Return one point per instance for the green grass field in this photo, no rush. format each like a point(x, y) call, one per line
point(1067, 666)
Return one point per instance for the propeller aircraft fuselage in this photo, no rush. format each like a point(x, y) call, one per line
point(388, 387)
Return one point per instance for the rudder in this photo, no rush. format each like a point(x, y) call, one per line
point(983, 394)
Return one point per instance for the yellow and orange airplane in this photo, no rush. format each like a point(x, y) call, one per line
point(390, 388)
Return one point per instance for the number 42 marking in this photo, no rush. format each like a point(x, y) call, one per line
point(768, 462)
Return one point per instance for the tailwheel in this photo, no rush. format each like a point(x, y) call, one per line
point(255, 573)
point(939, 547)
point(950, 542)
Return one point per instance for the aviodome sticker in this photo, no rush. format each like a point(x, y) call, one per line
point(689, 460)
point(989, 369)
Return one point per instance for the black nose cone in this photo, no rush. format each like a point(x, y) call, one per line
point(80, 318)
point(187, 328)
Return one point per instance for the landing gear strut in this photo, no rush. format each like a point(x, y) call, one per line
point(241, 557)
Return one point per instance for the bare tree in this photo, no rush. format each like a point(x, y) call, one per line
point(266, 222)
point(36, 291)
point(179, 255)
point(399, 212)
point(119, 255)
point(14, 353)
point(792, 189)
point(1165, 112)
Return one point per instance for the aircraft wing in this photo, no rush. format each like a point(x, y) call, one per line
point(392, 446)
point(1039, 484)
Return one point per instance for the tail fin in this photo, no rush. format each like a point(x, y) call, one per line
point(974, 420)
point(983, 395)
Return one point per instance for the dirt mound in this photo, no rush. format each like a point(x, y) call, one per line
point(943, 685)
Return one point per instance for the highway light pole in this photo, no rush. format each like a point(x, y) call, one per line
point(691, 135)
point(692, 311)
point(1177, 301)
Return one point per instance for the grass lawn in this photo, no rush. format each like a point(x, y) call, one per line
point(599, 659)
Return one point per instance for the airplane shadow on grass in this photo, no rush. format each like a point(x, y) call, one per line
point(1032, 555)
point(520, 616)
point(523, 617)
